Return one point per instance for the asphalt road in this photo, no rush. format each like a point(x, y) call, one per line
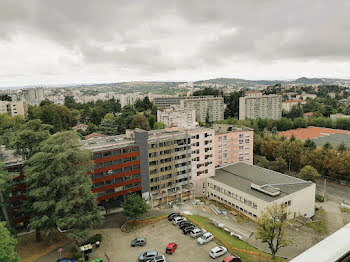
point(336, 192)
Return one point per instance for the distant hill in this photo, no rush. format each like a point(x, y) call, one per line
point(299, 81)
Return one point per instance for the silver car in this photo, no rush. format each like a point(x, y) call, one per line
point(148, 256)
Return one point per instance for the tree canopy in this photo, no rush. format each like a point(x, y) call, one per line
point(134, 206)
point(59, 186)
point(271, 226)
point(7, 245)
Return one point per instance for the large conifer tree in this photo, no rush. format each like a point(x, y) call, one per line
point(59, 186)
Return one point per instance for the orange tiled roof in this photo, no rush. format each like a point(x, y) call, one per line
point(311, 132)
point(308, 114)
point(80, 125)
point(94, 135)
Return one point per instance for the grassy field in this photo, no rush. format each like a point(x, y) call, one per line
point(223, 237)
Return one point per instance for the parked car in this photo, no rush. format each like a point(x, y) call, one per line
point(183, 222)
point(147, 256)
point(158, 259)
point(217, 251)
point(232, 258)
point(170, 249)
point(184, 225)
point(66, 260)
point(205, 238)
point(177, 220)
point(196, 232)
point(138, 242)
point(188, 229)
point(172, 215)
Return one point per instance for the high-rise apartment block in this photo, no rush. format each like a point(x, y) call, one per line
point(16, 108)
point(117, 169)
point(33, 96)
point(233, 144)
point(255, 105)
point(208, 108)
point(166, 165)
point(180, 117)
point(202, 154)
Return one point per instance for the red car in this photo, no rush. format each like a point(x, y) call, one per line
point(232, 258)
point(171, 248)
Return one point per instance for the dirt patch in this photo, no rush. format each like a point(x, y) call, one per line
point(29, 250)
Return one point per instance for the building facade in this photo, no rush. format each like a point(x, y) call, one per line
point(287, 105)
point(15, 108)
point(232, 144)
point(180, 117)
point(33, 96)
point(251, 189)
point(166, 165)
point(255, 105)
point(117, 170)
point(202, 158)
point(208, 108)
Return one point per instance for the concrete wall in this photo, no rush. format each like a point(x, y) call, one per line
point(141, 138)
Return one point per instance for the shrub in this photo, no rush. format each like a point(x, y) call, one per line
point(319, 198)
point(93, 239)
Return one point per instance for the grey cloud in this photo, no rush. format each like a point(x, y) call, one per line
point(137, 31)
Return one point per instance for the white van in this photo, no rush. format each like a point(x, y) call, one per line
point(177, 220)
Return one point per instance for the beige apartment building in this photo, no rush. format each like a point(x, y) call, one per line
point(180, 117)
point(232, 144)
point(250, 189)
point(288, 105)
point(16, 108)
point(202, 158)
point(209, 108)
point(255, 105)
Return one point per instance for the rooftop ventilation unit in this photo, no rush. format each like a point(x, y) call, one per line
point(266, 189)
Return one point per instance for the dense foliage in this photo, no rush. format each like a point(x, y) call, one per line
point(134, 206)
point(7, 245)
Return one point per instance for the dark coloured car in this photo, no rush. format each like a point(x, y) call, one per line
point(147, 256)
point(172, 215)
point(185, 225)
point(170, 249)
point(188, 230)
point(66, 260)
point(138, 242)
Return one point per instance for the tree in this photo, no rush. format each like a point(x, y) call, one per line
point(291, 152)
point(7, 245)
point(27, 139)
point(139, 121)
point(59, 186)
point(109, 125)
point(309, 173)
point(271, 226)
point(159, 125)
point(134, 206)
point(279, 165)
point(342, 147)
point(309, 144)
point(327, 146)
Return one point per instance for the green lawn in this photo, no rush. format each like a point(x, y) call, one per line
point(222, 235)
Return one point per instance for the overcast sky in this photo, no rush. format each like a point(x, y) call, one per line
point(86, 41)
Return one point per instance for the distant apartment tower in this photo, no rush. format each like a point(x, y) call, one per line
point(202, 154)
point(33, 96)
point(211, 107)
point(16, 108)
point(165, 164)
point(180, 117)
point(255, 105)
point(232, 144)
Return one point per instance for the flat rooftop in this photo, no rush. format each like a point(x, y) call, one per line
point(241, 175)
point(333, 139)
point(311, 132)
point(96, 144)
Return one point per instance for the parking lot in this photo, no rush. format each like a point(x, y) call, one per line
point(116, 244)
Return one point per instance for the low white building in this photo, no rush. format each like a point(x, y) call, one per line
point(180, 117)
point(250, 189)
point(202, 158)
point(287, 105)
